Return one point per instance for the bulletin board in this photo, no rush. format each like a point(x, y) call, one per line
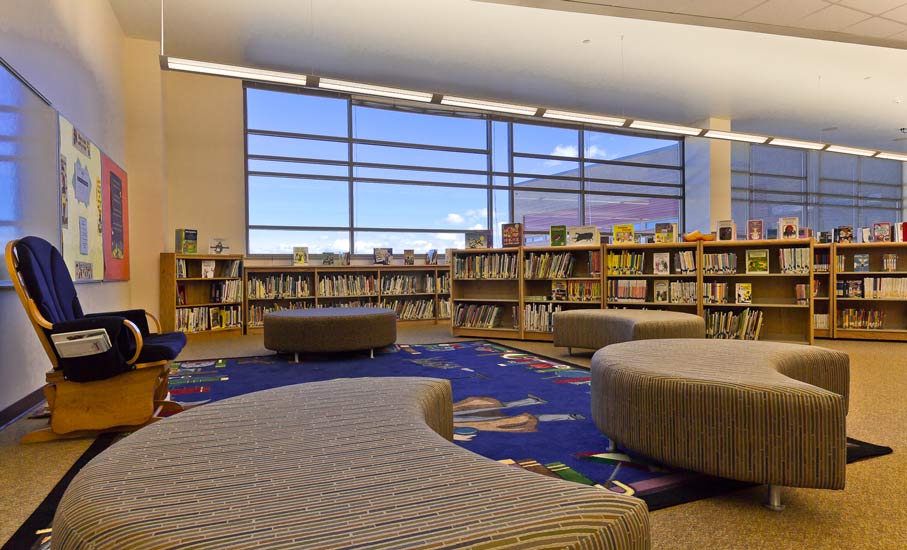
point(81, 212)
point(115, 204)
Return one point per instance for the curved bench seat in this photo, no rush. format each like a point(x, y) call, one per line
point(330, 329)
point(760, 412)
point(346, 463)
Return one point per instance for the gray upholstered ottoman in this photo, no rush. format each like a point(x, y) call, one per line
point(597, 328)
point(330, 329)
point(761, 412)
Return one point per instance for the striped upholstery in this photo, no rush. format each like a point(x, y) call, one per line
point(762, 412)
point(597, 328)
point(348, 463)
point(330, 329)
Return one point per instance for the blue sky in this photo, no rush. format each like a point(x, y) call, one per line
point(322, 202)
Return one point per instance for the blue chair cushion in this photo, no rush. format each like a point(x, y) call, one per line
point(162, 347)
point(47, 279)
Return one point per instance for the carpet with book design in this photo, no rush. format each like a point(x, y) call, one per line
point(512, 406)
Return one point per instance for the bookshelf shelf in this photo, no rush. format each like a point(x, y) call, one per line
point(488, 300)
point(197, 304)
point(210, 304)
point(182, 279)
point(654, 276)
point(758, 305)
point(649, 303)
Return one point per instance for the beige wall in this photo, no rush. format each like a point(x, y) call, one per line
point(71, 52)
point(203, 133)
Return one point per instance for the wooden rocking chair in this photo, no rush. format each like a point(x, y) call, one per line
point(121, 389)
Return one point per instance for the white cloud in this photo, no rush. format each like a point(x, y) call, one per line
point(594, 151)
point(562, 151)
point(454, 218)
point(478, 226)
point(448, 236)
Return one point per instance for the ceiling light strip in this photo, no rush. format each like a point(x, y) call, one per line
point(669, 128)
point(850, 150)
point(735, 136)
point(892, 156)
point(368, 89)
point(192, 66)
point(580, 117)
point(782, 142)
point(454, 101)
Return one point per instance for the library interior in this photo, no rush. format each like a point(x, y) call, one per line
point(488, 274)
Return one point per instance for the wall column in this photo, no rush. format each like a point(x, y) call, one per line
point(708, 178)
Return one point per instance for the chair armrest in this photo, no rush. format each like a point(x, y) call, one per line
point(137, 316)
point(126, 346)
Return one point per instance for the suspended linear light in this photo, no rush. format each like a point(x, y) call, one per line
point(735, 136)
point(850, 150)
point(892, 156)
point(488, 105)
point(580, 117)
point(193, 66)
point(357, 88)
point(670, 128)
point(796, 143)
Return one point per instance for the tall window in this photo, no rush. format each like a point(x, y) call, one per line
point(339, 174)
point(824, 190)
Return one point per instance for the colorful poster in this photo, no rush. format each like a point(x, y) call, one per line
point(116, 220)
point(81, 214)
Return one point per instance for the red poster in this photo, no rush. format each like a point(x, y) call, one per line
point(116, 221)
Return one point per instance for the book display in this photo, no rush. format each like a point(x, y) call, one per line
point(416, 293)
point(764, 285)
point(201, 293)
point(485, 292)
point(870, 290)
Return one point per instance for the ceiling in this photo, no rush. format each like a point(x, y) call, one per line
point(770, 83)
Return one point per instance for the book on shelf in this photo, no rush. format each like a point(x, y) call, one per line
point(843, 234)
point(820, 321)
point(661, 263)
point(757, 261)
point(540, 317)
point(345, 258)
point(81, 343)
point(180, 295)
point(327, 258)
point(684, 292)
point(801, 293)
point(511, 235)
point(662, 293)
point(558, 290)
point(547, 265)
point(665, 233)
point(825, 237)
point(744, 293)
point(861, 262)
point(789, 227)
point(557, 235)
point(880, 288)
point(755, 230)
point(806, 233)
point(383, 256)
point(881, 232)
point(889, 262)
point(627, 290)
point(864, 235)
point(714, 292)
point(409, 256)
point(794, 260)
point(745, 325)
point(865, 319)
point(623, 233)
point(486, 266)
point(726, 230)
point(186, 241)
point(476, 239)
point(583, 235)
point(820, 262)
point(431, 257)
point(208, 267)
point(685, 262)
point(300, 255)
point(218, 245)
point(723, 263)
point(628, 262)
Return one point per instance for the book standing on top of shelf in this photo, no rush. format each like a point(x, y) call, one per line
point(186, 241)
point(511, 235)
point(789, 228)
point(557, 235)
point(806, 233)
point(431, 257)
point(881, 232)
point(383, 256)
point(300, 255)
point(476, 239)
point(218, 245)
point(755, 230)
point(726, 230)
point(345, 258)
point(409, 257)
point(327, 258)
point(665, 233)
point(583, 235)
point(825, 237)
point(623, 233)
point(843, 234)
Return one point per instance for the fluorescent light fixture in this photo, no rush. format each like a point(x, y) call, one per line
point(735, 136)
point(368, 89)
point(192, 66)
point(488, 105)
point(670, 128)
point(579, 117)
point(892, 156)
point(797, 143)
point(850, 150)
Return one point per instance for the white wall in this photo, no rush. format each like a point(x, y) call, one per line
point(71, 52)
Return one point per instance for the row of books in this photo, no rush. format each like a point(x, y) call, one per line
point(884, 287)
point(548, 266)
point(730, 325)
point(675, 292)
point(226, 291)
point(407, 284)
point(626, 263)
point(861, 318)
point(443, 308)
point(347, 285)
point(794, 260)
point(820, 262)
point(481, 316)
point(861, 262)
point(257, 312)
point(820, 321)
point(486, 266)
point(279, 286)
point(724, 263)
point(633, 263)
point(209, 269)
point(411, 310)
point(539, 317)
point(200, 319)
point(627, 290)
point(576, 291)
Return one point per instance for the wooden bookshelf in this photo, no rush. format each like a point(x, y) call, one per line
point(672, 275)
point(414, 291)
point(482, 279)
point(893, 307)
point(197, 304)
point(823, 290)
point(774, 294)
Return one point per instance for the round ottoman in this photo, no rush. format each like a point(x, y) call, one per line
point(330, 329)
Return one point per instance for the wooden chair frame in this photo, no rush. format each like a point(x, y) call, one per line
point(109, 420)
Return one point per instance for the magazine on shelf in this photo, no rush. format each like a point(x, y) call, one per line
point(583, 234)
point(755, 230)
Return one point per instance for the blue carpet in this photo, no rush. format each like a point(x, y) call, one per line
point(509, 405)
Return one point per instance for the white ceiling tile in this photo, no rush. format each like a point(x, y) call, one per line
point(725, 9)
point(877, 27)
point(874, 7)
point(832, 18)
point(898, 14)
point(783, 12)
